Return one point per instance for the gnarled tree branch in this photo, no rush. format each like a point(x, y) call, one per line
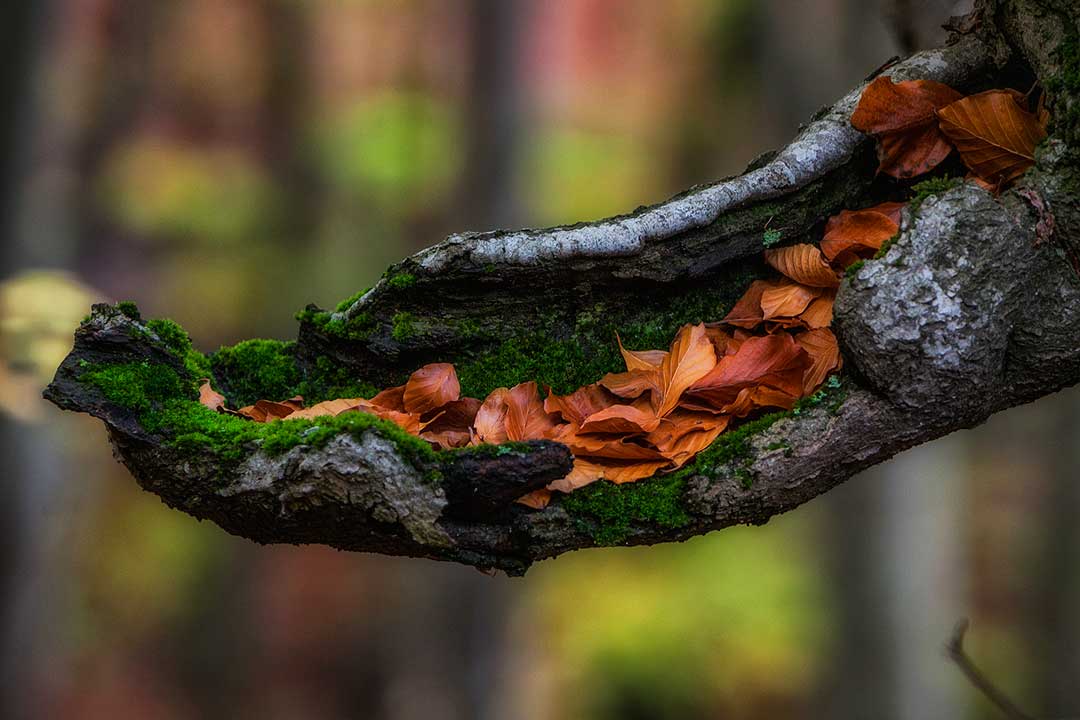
point(975, 308)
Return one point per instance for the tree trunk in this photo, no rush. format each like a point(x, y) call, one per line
point(974, 309)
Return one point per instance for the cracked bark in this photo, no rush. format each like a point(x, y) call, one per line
point(972, 310)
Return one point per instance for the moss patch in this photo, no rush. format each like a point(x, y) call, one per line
point(934, 186)
point(401, 281)
point(610, 511)
point(130, 309)
point(403, 326)
point(257, 369)
point(140, 387)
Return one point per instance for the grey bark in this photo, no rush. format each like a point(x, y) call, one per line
point(971, 311)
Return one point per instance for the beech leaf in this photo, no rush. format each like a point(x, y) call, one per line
point(431, 387)
point(995, 135)
point(804, 264)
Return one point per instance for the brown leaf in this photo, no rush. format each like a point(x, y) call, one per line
point(587, 471)
point(391, 399)
point(267, 410)
point(210, 397)
point(489, 426)
point(683, 434)
point(641, 359)
point(431, 387)
point(580, 404)
point(622, 419)
point(819, 313)
point(824, 354)
point(724, 343)
point(758, 397)
point(690, 359)
point(631, 384)
point(526, 418)
point(775, 361)
point(451, 427)
point(786, 299)
point(747, 311)
point(537, 499)
point(804, 264)
point(995, 135)
point(852, 235)
point(902, 118)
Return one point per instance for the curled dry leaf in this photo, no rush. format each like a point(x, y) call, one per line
point(641, 359)
point(995, 135)
point(902, 117)
point(824, 354)
point(684, 433)
point(691, 357)
point(210, 397)
point(747, 311)
point(431, 387)
point(804, 264)
point(489, 425)
point(452, 425)
point(267, 410)
point(774, 361)
point(581, 403)
point(622, 419)
point(853, 235)
point(786, 299)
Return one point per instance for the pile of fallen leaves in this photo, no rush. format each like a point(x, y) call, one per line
point(773, 348)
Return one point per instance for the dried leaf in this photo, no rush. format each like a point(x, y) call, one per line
point(267, 410)
point(526, 418)
point(824, 354)
point(683, 434)
point(622, 419)
point(431, 387)
point(210, 397)
point(747, 311)
point(691, 358)
point(854, 235)
point(786, 299)
point(489, 426)
point(537, 499)
point(452, 427)
point(804, 264)
point(902, 118)
point(775, 361)
point(588, 470)
point(819, 313)
point(631, 384)
point(641, 359)
point(580, 404)
point(391, 399)
point(995, 135)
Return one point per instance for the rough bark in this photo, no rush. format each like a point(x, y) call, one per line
point(974, 309)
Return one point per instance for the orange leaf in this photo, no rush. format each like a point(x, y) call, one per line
point(210, 397)
point(690, 359)
point(760, 396)
point(431, 387)
point(786, 299)
point(631, 384)
point(804, 264)
point(856, 234)
point(683, 434)
point(723, 342)
point(451, 427)
point(824, 354)
point(621, 419)
point(902, 118)
point(818, 314)
point(747, 311)
point(996, 137)
point(580, 404)
point(526, 418)
point(391, 399)
point(588, 471)
point(267, 410)
point(489, 426)
point(776, 361)
point(641, 359)
point(537, 499)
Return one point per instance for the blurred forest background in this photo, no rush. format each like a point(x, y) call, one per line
point(225, 162)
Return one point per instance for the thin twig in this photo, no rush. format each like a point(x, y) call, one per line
point(955, 651)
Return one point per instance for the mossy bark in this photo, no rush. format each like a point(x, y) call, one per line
point(974, 308)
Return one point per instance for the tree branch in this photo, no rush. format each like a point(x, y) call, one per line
point(971, 311)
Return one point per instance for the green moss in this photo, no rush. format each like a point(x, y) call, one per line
point(885, 246)
point(934, 186)
point(257, 369)
point(854, 268)
point(565, 360)
point(139, 386)
point(610, 511)
point(129, 309)
point(771, 237)
point(401, 281)
point(403, 326)
point(329, 380)
point(349, 301)
point(1064, 88)
point(177, 340)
